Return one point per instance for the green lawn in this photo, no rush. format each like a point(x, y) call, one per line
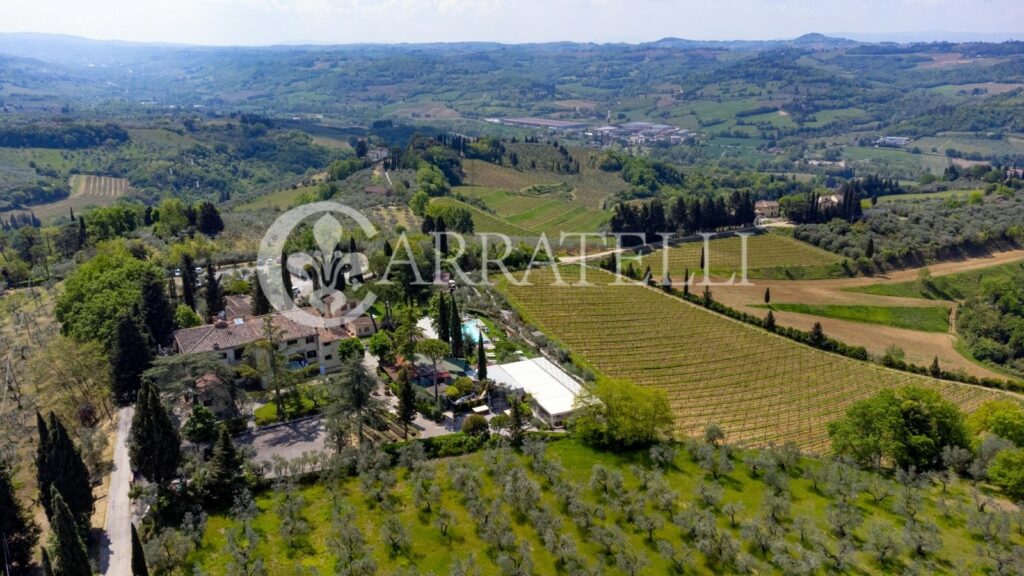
point(950, 287)
point(432, 553)
point(923, 318)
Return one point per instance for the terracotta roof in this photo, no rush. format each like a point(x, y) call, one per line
point(238, 306)
point(233, 333)
point(207, 380)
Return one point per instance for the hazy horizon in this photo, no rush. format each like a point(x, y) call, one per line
point(276, 22)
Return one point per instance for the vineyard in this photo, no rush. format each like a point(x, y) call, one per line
point(761, 388)
point(86, 191)
point(767, 255)
point(541, 213)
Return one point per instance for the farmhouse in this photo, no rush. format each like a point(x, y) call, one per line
point(552, 391)
point(766, 208)
point(211, 392)
point(302, 344)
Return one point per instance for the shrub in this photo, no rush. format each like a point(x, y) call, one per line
point(475, 425)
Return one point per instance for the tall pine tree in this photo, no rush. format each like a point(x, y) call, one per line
point(19, 529)
point(214, 295)
point(138, 555)
point(59, 466)
point(69, 553)
point(130, 356)
point(154, 445)
point(260, 303)
point(224, 471)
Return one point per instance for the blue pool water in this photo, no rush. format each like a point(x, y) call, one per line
point(471, 330)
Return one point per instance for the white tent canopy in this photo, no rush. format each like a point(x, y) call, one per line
point(552, 390)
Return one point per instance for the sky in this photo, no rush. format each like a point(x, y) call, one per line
point(263, 22)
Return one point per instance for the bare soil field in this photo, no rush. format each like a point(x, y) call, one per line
point(920, 347)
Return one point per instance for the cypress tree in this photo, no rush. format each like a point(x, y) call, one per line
point(214, 295)
point(442, 234)
point(60, 467)
point(154, 445)
point(138, 555)
point(769, 321)
point(156, 312)
point(172, 292)
point(686, 282)
point(83, 233)
point(444, 333)
point(388, 249)
point(352, 248)
point(20, 531)
point(130, 356)
point(44, 476)
point(481, 358)
point(260, 304)
point(455, 329)
point(70, 554)
point(286, 276)
point(188, 281)
point(817, 334)
point(870, 250)
point(47, 565)
point(935, 370)
point(224, 472)
point(406, 401)
point(767, 295)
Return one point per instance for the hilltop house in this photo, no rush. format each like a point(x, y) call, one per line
point(303, 344)
point(766, 208)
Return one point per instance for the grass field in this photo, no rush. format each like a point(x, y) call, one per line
point(279, 200)
point(591, 188)
point(572, 466)
point(925, 196)
point(897, 158)
point(542, 213)
point(485, 222)
point(771, 255)
point(762, 388)
point(926, 318)
point(949, 287)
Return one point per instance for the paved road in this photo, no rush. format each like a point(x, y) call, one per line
point(116, 559)
point(289, 441)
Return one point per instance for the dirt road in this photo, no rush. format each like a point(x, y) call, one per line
point(116, 557)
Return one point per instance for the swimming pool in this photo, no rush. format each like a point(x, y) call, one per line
point(473, 329)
